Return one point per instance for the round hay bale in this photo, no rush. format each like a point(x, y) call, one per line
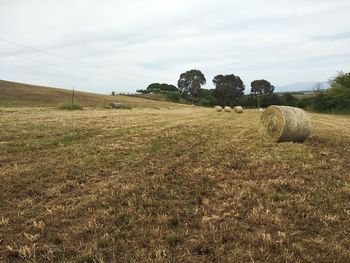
point(218, 108)
point(283, 124)
point(227, 109)
point(238, 109)
point(118, 105)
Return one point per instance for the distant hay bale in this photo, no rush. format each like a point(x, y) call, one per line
point(218, 108)
point(238, 109)
point(284, 123)
point(119, 105)
point(227, 109)
point(261, 109)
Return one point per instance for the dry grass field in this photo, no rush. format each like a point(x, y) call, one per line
point(176, 184)
point(18, 95)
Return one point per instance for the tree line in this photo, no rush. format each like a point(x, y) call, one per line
point(229, 91)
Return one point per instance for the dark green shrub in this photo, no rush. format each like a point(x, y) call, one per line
point(173, 96)
point(288, 99)
point(268, 100)
point(335, 99)
point(248, 101)
point(304, 103)
point(321, 102)
point(208, 101)
point(70, 106)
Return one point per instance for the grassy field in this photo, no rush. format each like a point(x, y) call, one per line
point(174, 184)
point(18, 94)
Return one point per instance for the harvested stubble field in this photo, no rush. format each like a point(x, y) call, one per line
point(19, 95)
point(170, 185)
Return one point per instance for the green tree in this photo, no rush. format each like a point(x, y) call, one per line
point(342, 79)
point(228, 89)
point(289, 99)
point(261, 88)
point(190, 83)
point(205, 92)
point(247, 101)
point(321, 101)
point(339, 93)
point(157, 87)
point(208, 100)
point(272, 99)
point(173, 96)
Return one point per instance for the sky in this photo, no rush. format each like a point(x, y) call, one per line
point(124, 45)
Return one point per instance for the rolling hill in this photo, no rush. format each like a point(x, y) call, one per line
point(301, 86)
point(19, 94)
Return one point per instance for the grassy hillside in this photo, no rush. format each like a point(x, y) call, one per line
point(170, 185)
point(18, 94)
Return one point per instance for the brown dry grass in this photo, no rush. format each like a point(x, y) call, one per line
point(18, 94)
point(170, 185)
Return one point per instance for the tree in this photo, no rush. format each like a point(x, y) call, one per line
point(208, 100)
point(247, 101)
point(342, 79)
point(289, 99)
point(157, 87)
point(261, 88)
point(202, 93)
point(190, 83)
point(317, 87)
point(338, 95)
point(173, 96)
point(272, 99)
point(206, 97)
point(228, 89)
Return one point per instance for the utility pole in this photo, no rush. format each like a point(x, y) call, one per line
point(73, 99)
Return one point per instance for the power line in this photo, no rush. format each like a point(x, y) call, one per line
point(67, 58)
point(50, 63)
point(29, 59)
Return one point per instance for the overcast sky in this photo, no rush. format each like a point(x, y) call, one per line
point(124, 45)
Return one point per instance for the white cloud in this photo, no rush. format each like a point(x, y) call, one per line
point(154, 41)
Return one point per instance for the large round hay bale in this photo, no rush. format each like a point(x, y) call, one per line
point(283, 123)
point(119, 105)
point(218, 108)
point(238, 109)
point(227, 109)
